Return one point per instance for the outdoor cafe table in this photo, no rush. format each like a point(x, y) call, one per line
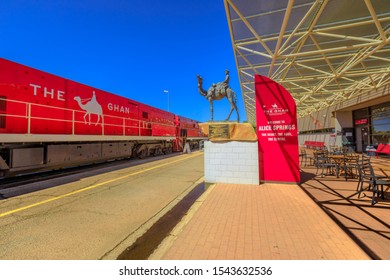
point(385, 170)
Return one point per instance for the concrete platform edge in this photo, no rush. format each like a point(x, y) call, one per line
point(133, 236)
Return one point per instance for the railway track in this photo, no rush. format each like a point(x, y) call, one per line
point(36, 177)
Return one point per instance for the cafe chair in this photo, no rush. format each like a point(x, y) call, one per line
point(350, 165)
point(317, 155)
point(367, 175)
point(326, 164)
point(305, 157)
point(366, 158)
point(364, 176)
point(363, 172)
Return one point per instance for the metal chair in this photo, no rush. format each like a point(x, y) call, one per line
point(366, 158)
point(317, 155)
point(304, 157)
point(327, 163)
point(350, 163)
point(367, 175)
point(364, 176)
point(362, 172)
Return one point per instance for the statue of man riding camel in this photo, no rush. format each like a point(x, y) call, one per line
point(219, 91)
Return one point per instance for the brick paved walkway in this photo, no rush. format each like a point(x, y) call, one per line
point(270, 221)
point(368, 225)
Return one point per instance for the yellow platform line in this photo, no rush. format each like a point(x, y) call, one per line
point(94, 186)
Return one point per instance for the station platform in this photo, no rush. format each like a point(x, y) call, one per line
point(321, 218)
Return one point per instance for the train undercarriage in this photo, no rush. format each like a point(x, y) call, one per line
point(23, 158)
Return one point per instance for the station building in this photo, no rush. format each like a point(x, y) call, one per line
point(333, 56)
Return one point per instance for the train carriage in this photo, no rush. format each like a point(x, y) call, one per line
point(50, 122)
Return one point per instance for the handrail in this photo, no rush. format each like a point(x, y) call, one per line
point(30, 106)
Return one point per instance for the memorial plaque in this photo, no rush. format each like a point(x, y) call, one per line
point(219, 131)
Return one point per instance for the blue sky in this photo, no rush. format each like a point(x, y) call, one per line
point(133, 48)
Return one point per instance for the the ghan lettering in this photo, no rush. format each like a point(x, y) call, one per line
point(49, 93)
point(60, 95)
point(118, 108)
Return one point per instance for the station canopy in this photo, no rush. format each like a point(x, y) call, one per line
point(323, 52)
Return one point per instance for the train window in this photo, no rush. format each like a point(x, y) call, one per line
point(183, 132)
point(145, 115)
point(2, 121)
point(3, 103)
point(3, 108)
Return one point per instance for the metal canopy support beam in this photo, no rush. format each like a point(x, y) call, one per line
point(283, 28)
point(375, 18)
point(250, 27)
point(321, 56)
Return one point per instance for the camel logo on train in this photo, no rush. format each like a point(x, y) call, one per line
point(91, 107)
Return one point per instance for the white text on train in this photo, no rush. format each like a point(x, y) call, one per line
point(118, 108)
point(47, 93)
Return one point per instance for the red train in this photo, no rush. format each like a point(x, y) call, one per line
point(49, 122)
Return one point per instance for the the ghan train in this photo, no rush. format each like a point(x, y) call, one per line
point(49, 122)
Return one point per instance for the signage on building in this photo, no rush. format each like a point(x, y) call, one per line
point(277, 132)
point(361, 121)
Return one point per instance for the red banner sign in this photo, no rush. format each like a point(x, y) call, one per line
point(277, 132)
point(361, 121)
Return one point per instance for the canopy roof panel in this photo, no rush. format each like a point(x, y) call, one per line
point(322, 51)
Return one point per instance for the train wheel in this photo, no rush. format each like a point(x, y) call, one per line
point(157, 151)
point(143, 153)
point(167, 150)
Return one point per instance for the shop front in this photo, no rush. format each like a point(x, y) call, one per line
point(372, 126)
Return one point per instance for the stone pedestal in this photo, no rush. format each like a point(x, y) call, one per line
point(231, 154)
